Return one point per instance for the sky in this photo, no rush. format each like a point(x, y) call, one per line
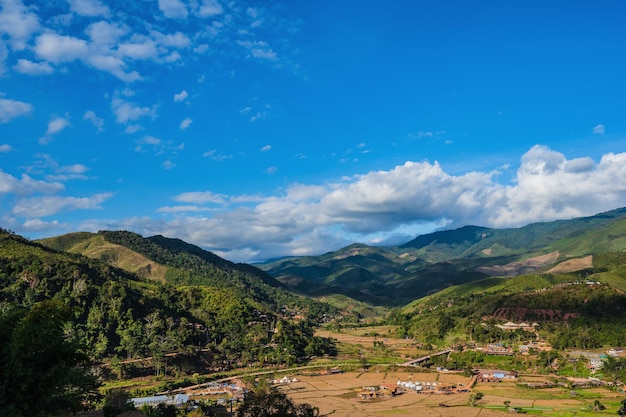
point(272, 128)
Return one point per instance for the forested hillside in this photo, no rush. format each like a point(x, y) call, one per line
point(397, 275)
point(585, 309)
point(208, 313)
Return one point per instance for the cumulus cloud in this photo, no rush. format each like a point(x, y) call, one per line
point(598, 129)
point(56, 125)
point(185, 124)
point(26, 185)
point(10, 109)
point(259, 50)
point(126, 111)
point(26, 66)
point(5, 148)
point(50, 205)
point(57, 48)
point(96, 121)
point(173, 9)
point(89, 8)
point(210, 8)
point(180, 96)
point(18, 22)
point(381, 205)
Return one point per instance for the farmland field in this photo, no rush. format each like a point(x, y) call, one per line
point(336, 395)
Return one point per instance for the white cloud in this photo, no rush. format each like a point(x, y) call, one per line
point(598, 129)
point(10, 109)
point(26, 66)
point(56, 125)
point(168, 165)
point(383, 205)
point(271, 170)
point(172, 40)
point(141, 48)
point(90, 8)
point(173, 9)
point(184, 125)
point(96, 121)
point(18, 22)
point(210, 8)
point(259, 49)
point(105, 35)
point(26, 185)
point(114, 66)
point(57, 48)
point(216, 156)
point(266, 148)
point(125, 111)
point(150, 140)
point(38, 225)
point(48, 206)
point(4, 54)
point(180, 96)
point(5, 148)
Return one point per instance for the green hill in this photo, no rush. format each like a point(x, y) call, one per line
point(430, 263)
point(202, 312)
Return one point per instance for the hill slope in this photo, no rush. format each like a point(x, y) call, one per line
point(432, 262)
point(224, 317)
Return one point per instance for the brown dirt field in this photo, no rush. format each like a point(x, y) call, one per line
point(337, 395)
point(401, 347)
point(573, 265)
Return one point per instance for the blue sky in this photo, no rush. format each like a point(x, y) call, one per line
point(264, 129)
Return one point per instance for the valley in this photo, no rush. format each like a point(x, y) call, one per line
point(159, 316)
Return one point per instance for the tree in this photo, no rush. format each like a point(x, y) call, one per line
point(622, 408)
point(272, 403)
point(42, 373)
point(474, 397)
point(598, 406)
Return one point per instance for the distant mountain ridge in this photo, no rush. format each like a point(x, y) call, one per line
point(395, 275)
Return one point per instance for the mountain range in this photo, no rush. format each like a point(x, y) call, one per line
point(134, 295)
point(397, 275)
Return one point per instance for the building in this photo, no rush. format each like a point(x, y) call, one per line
point(494, 375)
point(177, 400)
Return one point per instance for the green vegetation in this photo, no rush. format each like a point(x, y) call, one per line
point(230, 316)
point(162, 308)
point(42, 372)
point(272, 403)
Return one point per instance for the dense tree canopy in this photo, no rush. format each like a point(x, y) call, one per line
point(42, 371)
point(271, 403)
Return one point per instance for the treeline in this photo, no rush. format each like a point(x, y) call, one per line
point(180, 328)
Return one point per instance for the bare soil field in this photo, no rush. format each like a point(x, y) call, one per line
point(403, 348)
point(336, 396)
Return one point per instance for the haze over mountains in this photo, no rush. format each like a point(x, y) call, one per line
point(432, 262)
